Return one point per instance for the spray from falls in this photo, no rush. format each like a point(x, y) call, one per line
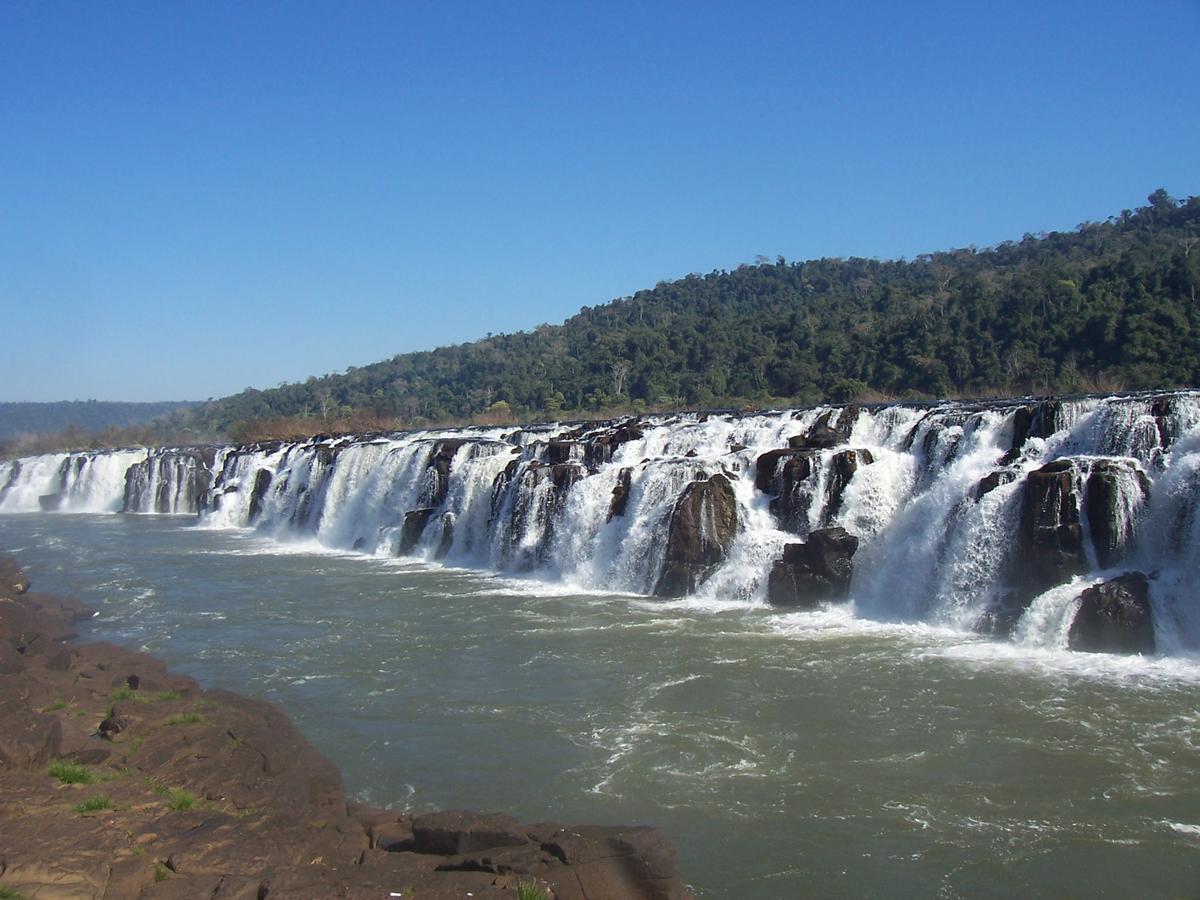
point(998, 518)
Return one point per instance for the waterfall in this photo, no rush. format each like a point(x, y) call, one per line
point(991, 517)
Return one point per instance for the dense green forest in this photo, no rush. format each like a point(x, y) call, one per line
point(1110, 305)
point(79, 415)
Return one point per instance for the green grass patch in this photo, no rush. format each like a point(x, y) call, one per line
point(55, 706)
point(160, 872)
point(185, 719)
point(71, 773)
point(530, 890)
point(94, 804)
point(10, 894)
point(124, 693)
point(179, 800)
point(167, 695)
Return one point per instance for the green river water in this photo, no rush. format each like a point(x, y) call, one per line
point(808, 754)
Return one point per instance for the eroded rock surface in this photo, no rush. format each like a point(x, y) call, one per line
point(1114, 617)
point(816, 571)
point(703, 524)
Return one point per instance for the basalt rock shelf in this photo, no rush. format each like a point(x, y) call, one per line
point(992, 516)
point(120, 779)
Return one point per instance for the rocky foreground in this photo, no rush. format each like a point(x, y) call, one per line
point(120, 779)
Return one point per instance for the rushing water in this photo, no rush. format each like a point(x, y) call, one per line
point(785, 754)
point(461, 619)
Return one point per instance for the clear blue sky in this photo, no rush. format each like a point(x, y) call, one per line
point(201, 197)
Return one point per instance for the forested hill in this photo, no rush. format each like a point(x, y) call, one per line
point(17, 419)
point(1107, 306)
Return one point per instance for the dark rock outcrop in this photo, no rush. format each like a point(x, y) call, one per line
point(816, 571)
point(620, 494)
point(437, 477)
point(560, 452)
point(1114, 617)
point(766, 468)
point(600, 447)
point(1105, 506)
point(999, 619)
point(1050, 547)
point(541, 492)
point(842, 468)
point(14, 475)
point(703, 523)
point(826, 433)
point(215, 795)
point(1036, 420)
point(415, 521)
point(791, 475)
point(991, 481)
point(262, 482)
point(793, 484)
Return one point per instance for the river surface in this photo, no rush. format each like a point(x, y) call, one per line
point(785, 755)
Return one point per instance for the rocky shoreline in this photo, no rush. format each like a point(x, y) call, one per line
point(121, 779)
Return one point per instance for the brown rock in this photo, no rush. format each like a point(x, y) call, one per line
point(816, 571)
point(703, 524)
point(1114, 617)
point(457, 831)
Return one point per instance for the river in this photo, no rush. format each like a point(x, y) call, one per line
point(810, 753)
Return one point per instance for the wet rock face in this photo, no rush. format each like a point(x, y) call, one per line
point(1038, 420)
point(599, 448)
point(795, 489)
point(817, 571)
point(1050, 547)
point(1105, 503)
point(14, 476)
point(767, 471)
point(620, 494)
point(1114, 617)
point(262, 481)
point(1166, 421)
point(842, 468)
point(182, 479)
point(542, 491)
point(792, 476)
point(825, 433)
point(999, 619)
point(559, 452)
point(702, 527)
point(991, 481)
point(437, 483)
point(415, 521)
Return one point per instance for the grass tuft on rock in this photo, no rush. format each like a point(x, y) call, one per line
point(55, 706)
point(94, 804)
point(71, 773)
point(10, 894)
point(179, 800)
point(167, 695)
point(185, 719)
point(531, 890)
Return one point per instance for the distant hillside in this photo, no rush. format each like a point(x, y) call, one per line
point(20, 419)
point(1109, 305)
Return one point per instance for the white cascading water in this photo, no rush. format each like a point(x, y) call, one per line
point(935, 541)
